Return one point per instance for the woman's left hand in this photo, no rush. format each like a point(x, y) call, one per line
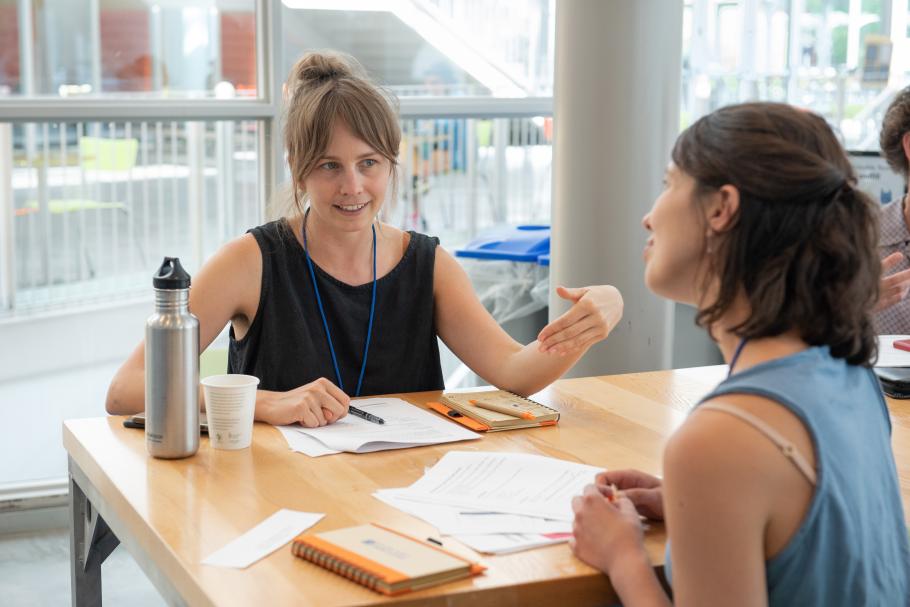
point(595, 312)
point(604, 531)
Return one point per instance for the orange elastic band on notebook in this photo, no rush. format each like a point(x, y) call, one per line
point(455, 416)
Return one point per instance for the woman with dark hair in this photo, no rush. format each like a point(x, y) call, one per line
point(780, 488)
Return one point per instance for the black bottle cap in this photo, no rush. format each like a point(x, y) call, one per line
point(171, 275)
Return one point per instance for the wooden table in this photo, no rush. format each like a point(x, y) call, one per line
point(172, 514)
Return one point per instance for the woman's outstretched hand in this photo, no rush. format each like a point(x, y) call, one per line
point(594, 313)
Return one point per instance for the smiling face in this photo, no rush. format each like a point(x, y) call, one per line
point(348, 185)
point(675, 252)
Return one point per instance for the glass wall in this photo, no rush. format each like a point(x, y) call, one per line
point(94, 193)
point(498, 48)
point(195, 48)
point(842, 58)
point(96, 205)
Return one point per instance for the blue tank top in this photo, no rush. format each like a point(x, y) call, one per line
point(852, 548)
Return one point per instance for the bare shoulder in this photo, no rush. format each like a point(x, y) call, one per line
point(392, 234)
point(718, 447)
point(233, 275)
point(448, 274)
point(240, 255)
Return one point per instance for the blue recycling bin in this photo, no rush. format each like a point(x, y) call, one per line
point(503, 264)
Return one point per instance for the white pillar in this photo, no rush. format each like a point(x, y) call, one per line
point(824, 36)
point(748, 46)
point(899, 44)
point(195, 152)
point(616, 113)
point(794, 50)
point(855, 14)
point(7, 245)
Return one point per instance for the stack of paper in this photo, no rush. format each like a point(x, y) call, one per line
point(496, 502)
point(405, 426)
point(888, 355)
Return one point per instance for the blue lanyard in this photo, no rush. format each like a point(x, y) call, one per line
point(736, 353)
point(325, 323)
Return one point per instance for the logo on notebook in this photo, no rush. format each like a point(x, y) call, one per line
point(398, 554)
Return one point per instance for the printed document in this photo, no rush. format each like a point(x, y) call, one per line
point(512, 483)
point(406, 425)
point(452, 520)
point(506, 543)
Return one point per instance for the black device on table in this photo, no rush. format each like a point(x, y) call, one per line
point(138, 421)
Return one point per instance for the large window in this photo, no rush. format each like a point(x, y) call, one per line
point(195, 48)
point(499, 48)
point(842, 58)
point(130, 130)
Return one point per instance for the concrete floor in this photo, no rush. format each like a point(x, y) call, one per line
point(34, 572)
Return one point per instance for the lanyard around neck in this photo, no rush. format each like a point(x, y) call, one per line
point(325, 323)
point(736, 353)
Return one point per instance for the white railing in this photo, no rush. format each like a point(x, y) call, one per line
point(95, 206)
point(852, 106)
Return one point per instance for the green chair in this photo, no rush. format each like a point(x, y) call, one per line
point(96, 154)
point(213, 361)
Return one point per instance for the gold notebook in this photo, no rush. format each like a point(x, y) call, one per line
point(527, 413)
point(383, 559)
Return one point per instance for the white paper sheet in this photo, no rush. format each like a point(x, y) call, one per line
point(304, 443)
point(263, 539)
point(452, 520)
point(888, 355)
point(405, 426)
point(514, 483)
point(505, 543)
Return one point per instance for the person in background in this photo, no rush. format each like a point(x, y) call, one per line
point(330, 303)
point(780, 488)
point(893, 310)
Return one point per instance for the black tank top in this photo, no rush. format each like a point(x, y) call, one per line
point(286, 346)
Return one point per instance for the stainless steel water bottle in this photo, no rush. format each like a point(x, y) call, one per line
point(172, 367)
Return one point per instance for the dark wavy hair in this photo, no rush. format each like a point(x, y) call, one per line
point(895, 123)
point(803, 244)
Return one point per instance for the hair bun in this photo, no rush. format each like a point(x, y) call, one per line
point(317, 67)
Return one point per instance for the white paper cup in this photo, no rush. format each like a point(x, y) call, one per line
point(230, 402)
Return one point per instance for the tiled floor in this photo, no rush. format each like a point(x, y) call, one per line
point(34, 572)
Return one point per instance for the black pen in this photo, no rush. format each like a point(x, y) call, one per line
point(364, 415)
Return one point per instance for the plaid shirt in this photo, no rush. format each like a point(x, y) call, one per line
point(894, 237)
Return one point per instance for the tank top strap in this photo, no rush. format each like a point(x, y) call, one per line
point(786, 447)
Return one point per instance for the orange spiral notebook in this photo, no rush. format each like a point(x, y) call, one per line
point(383, 559)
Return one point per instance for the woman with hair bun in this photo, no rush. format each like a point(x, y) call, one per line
point(329, 303)
point(780, 488)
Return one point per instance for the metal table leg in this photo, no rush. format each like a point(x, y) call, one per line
point(91, 542)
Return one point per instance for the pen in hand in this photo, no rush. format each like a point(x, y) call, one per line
point(364, 415)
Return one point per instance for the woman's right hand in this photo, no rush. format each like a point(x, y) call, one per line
point(643, 490)
point(893, 288)
point(312, 405)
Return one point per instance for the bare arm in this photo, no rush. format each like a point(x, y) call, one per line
point(226, 287)
point(474, 336)
point(718, 501)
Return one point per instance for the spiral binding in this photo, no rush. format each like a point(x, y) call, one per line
point(337, 565)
